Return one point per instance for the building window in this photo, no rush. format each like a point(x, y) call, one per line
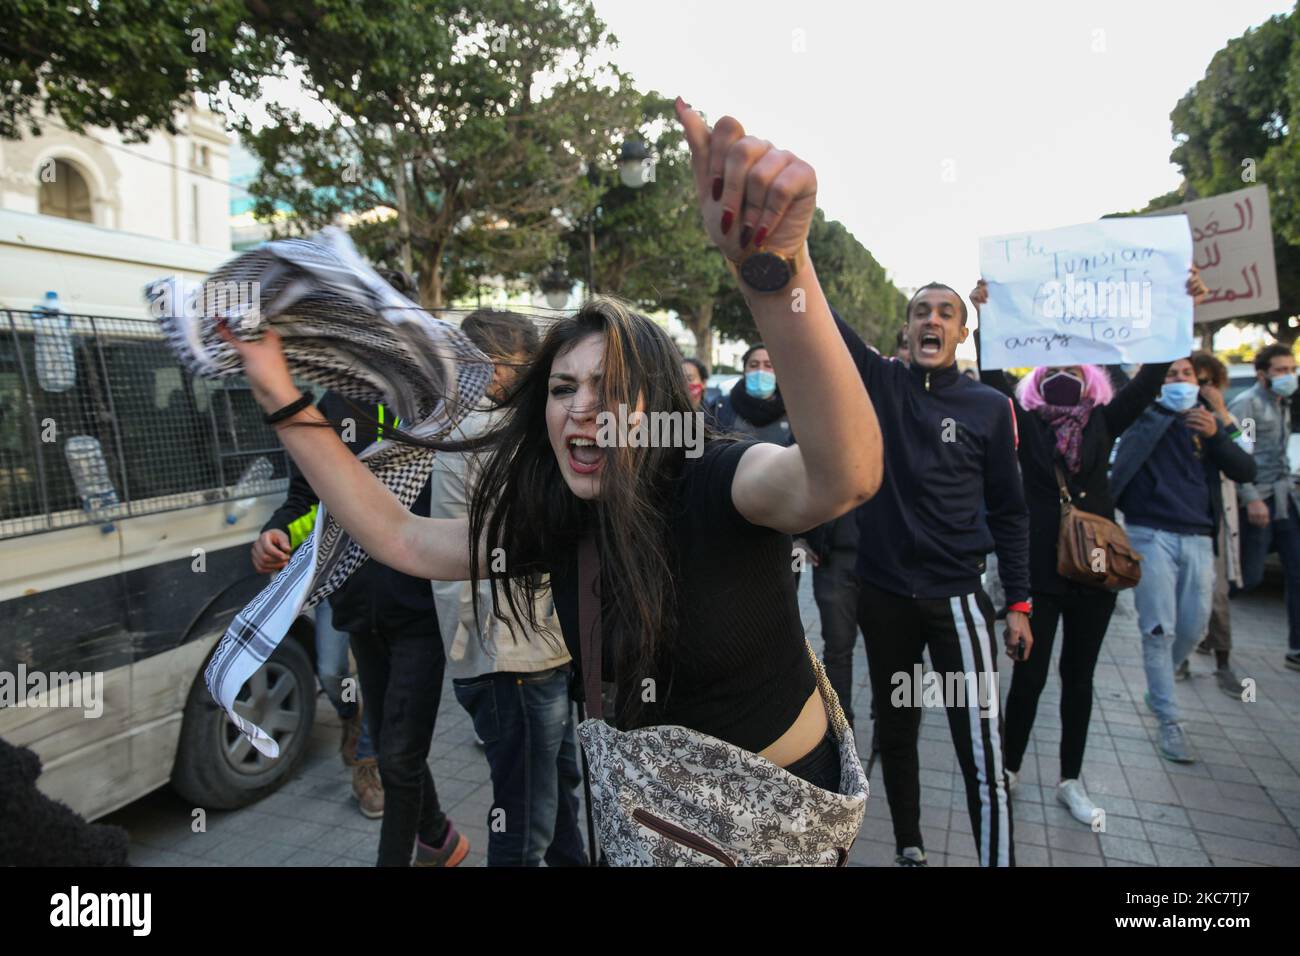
point(194, 213)
point(64, 192)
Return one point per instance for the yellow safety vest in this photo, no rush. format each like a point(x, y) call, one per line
point(301, 528)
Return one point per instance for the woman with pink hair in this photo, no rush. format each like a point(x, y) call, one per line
point(1068, 418)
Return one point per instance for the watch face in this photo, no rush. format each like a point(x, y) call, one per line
point(765, 272)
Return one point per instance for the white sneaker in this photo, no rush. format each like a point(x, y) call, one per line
point(1075, 798)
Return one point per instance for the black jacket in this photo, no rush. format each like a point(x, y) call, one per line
point(375, 593)
point(951, 491)
point(1090, 488)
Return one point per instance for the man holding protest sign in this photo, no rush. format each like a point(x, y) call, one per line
point(951, 494)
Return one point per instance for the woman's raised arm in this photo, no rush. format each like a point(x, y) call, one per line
point(756, 198)
point(432, 548)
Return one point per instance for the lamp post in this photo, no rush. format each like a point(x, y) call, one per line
point(556, 285)
point(635, 169)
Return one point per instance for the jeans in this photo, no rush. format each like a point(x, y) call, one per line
point(526, 724)
point(1173, 606)
point(1284, 537)
point(401, 662)
point(332, 669)
point(835, 588)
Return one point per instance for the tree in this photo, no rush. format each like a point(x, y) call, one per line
point(855, 284)
point(650, 244)
point(128, 65)
point(456, 131)
point(1238, 122)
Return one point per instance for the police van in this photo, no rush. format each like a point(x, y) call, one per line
point(130, 494)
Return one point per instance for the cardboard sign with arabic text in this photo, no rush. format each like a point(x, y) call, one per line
point(1232, 245)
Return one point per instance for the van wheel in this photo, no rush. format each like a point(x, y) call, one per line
point(216, 767)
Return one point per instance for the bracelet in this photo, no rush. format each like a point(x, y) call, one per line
point(1024, 607)
point(293, 408)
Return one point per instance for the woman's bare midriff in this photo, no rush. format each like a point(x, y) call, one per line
point(804, 734)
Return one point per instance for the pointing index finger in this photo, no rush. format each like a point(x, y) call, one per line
point(697, 139)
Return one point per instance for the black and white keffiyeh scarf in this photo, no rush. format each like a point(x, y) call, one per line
point(343, 328)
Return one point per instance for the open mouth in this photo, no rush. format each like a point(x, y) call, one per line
point(930, 344)
point(585, 456)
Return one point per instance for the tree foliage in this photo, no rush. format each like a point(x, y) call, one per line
point(473, 122)
point(855, 284)
point(128, 64)
point(1237, 126)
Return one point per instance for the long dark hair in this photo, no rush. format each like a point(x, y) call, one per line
point(523, 506)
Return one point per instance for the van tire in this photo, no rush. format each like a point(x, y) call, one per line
point(205, 774)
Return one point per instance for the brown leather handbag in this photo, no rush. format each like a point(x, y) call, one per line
point(1093, 550)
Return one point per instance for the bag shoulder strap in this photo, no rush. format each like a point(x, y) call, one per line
point(589, 634)
point(1062, 487)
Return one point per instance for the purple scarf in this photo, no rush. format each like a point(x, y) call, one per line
point(1068, 422)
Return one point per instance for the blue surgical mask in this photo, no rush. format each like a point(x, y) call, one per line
point(760, 384)
point(1179, 396)
point(1284, 385)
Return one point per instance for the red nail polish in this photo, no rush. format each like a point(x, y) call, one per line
point(745, 234)
point(727, 217)
point(717, 188)
point(758, 239)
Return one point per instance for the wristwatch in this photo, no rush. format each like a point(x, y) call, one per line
point(766, 271)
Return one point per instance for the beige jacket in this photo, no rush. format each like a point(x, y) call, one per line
point(468, 656)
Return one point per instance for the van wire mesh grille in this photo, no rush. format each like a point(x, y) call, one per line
point(98, 422)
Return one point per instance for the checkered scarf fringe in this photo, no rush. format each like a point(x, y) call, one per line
point(343, 328)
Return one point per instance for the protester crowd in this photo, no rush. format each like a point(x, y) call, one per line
point(894, 478)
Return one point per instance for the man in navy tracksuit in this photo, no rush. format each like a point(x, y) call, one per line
point(951, 494)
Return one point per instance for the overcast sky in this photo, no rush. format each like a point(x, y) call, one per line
point(932, 123)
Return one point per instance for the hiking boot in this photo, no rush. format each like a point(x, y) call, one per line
point(1173, 744)
point(911, 856)
point(450, 852)
point(351, 737)
point(368, 789)
point(1076, 800)
point(1228, 682)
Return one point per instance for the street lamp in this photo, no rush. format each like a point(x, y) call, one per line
point(556, 285)
point(635, 167)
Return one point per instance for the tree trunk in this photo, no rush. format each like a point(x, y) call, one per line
point(431, 281)
point(701, 324)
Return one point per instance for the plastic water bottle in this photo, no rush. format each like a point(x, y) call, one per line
point(246, 489)
point(89, 470)
point(56, 365)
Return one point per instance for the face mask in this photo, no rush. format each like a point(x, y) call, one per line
point(695, 391)
point(1061, 388)
point(760, 384)
point(1283, 385)
point(1178, 396)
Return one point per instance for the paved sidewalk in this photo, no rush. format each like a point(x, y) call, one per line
point(1238, 805)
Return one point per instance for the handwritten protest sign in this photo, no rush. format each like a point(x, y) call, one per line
point(1232, 245)
point(1105, 292)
